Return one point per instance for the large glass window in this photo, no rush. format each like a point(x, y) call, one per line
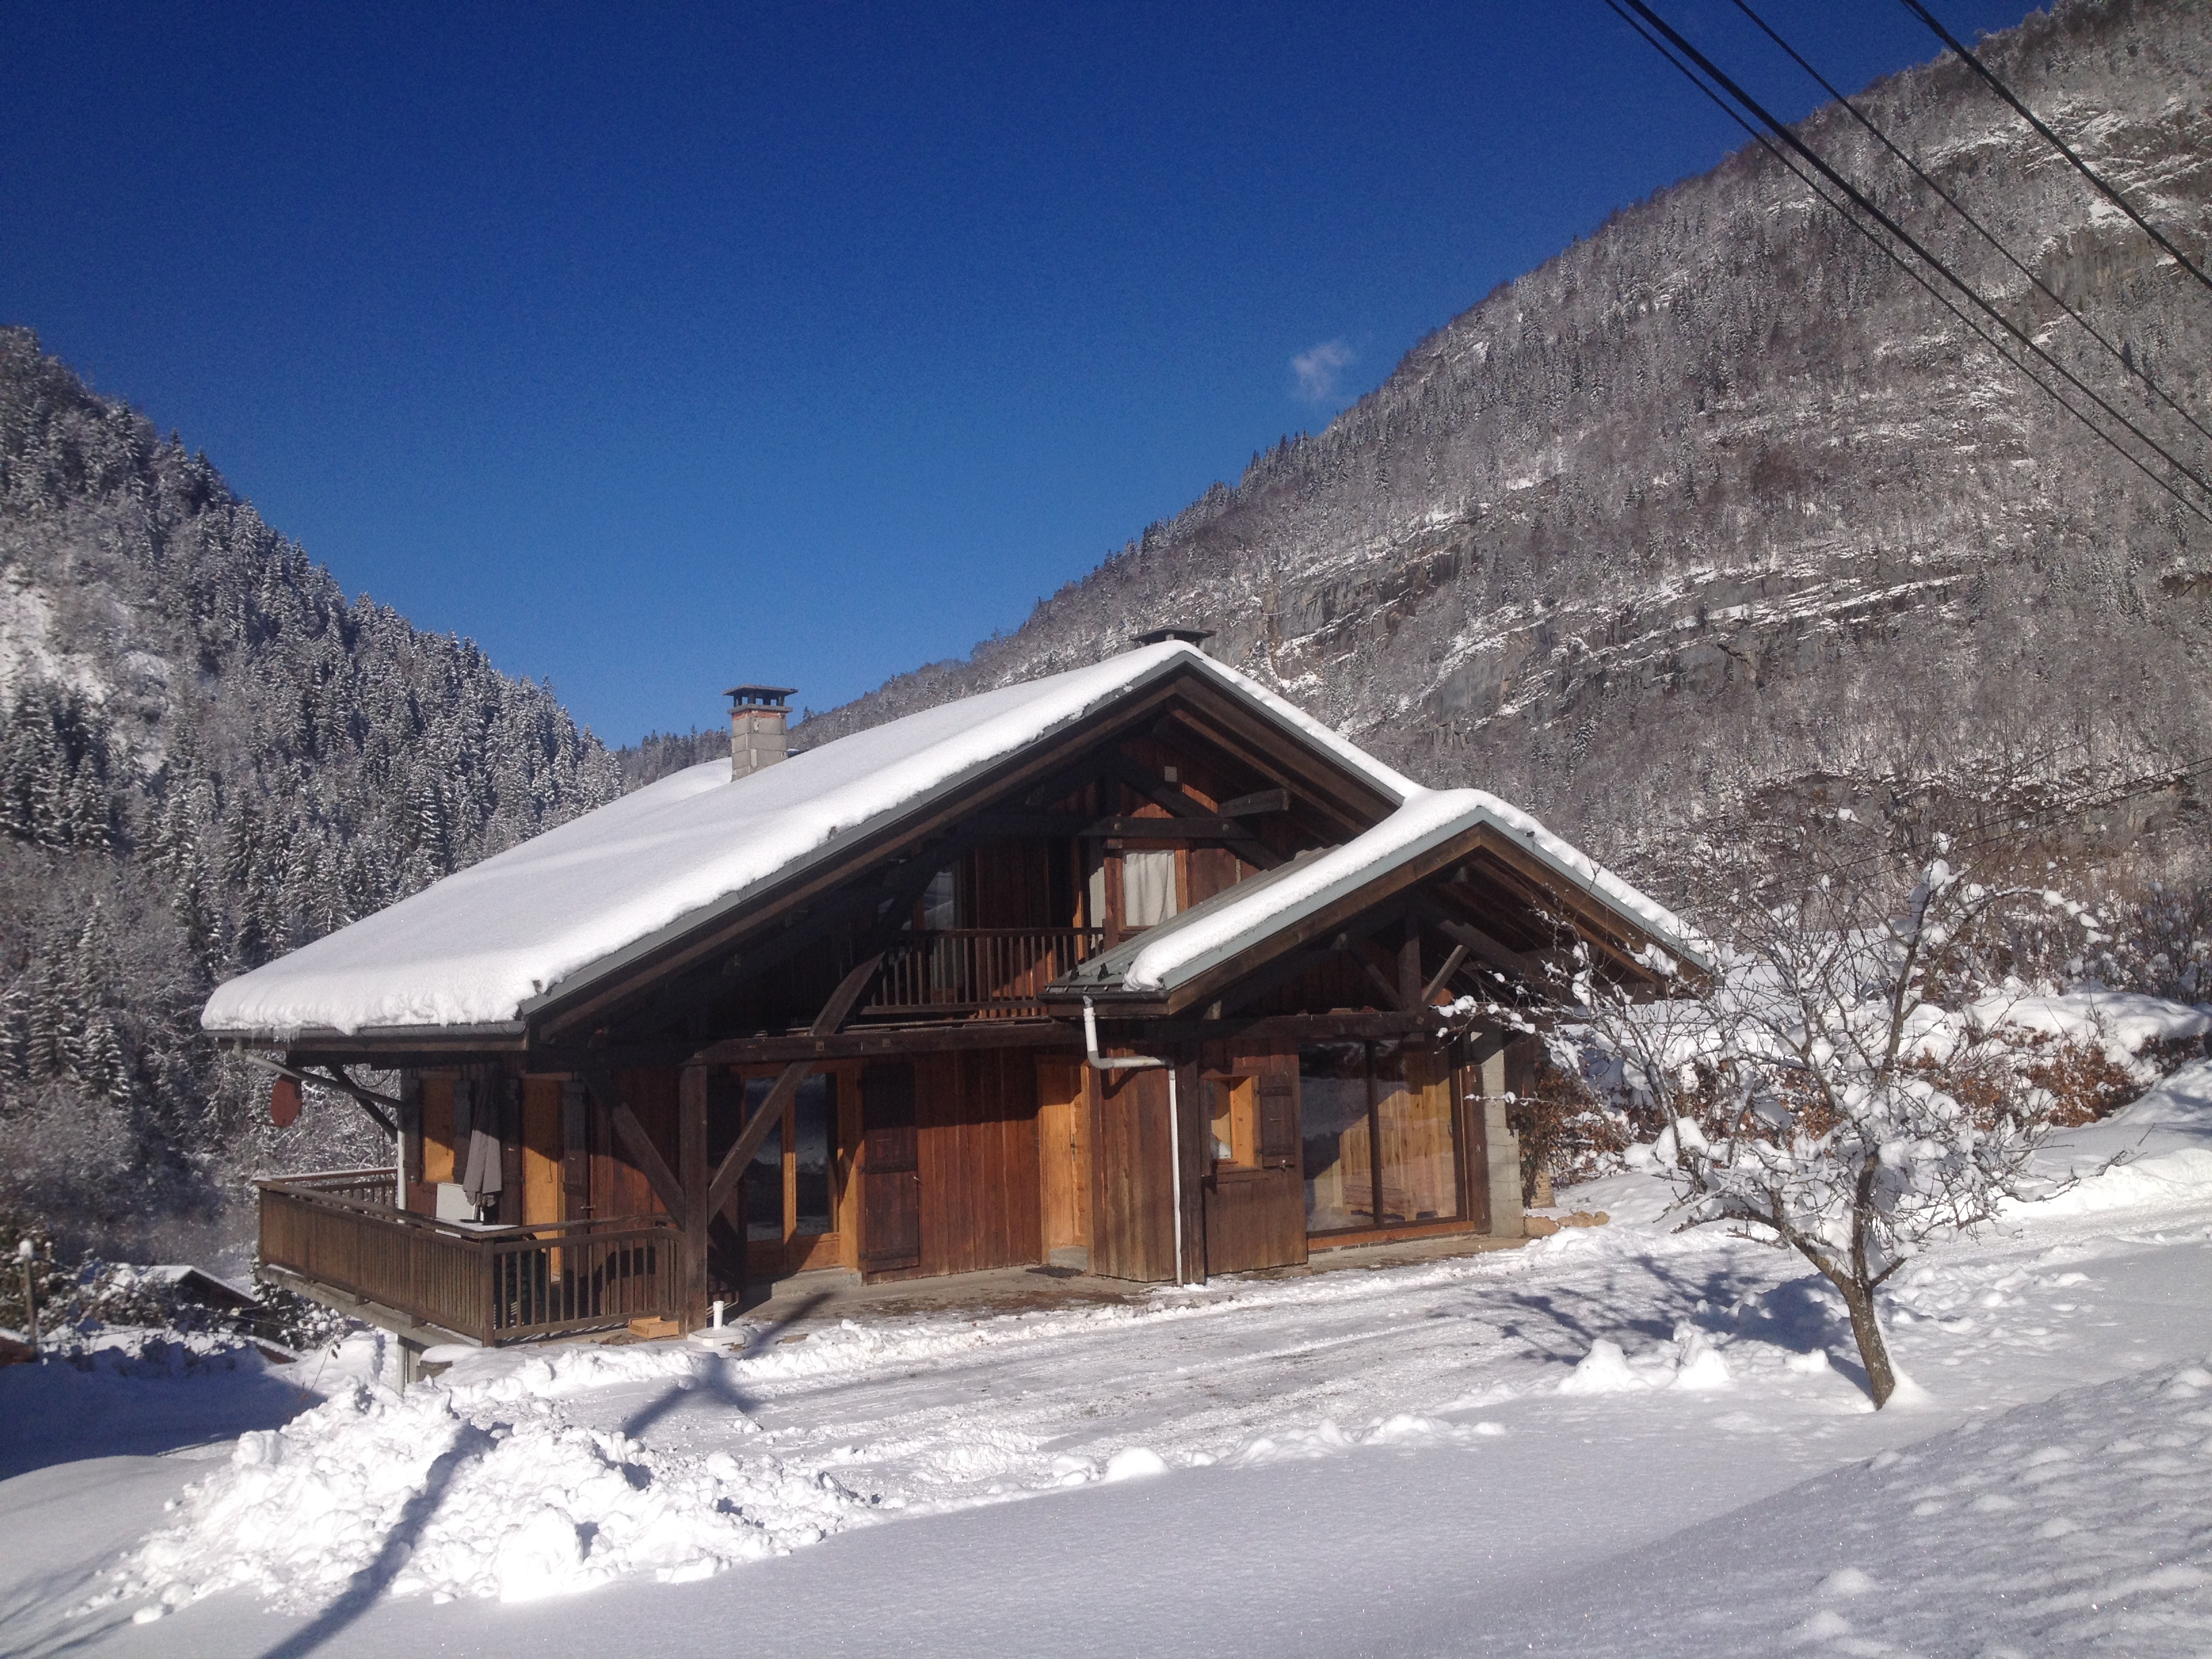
point(1379, 1137)
point(1335, 1119)
point(790, 1194)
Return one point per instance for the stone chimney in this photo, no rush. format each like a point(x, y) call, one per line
point(1196, 636)
point(757, 713)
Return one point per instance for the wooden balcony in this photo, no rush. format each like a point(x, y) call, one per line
point(338, 1231)
point(981, 972)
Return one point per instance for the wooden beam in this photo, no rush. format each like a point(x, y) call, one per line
point(1473, 939)
point(1208, 828)
point(1444, 973)
point(1409, 962)
point(638, 1144)
point(693, 1292)
point(1187, 808)
point(335, 1078)
point(1254, 805)
point(874, 1042)
point(1365, 953)
point(769, 1115)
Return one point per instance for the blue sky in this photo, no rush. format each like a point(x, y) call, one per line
point(659, 348)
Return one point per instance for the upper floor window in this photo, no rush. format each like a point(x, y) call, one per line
point(940, 899)
point(1148, 888)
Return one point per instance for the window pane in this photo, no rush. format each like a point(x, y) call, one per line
point(1148, 888)
point(815, 1136)
point(1220, 1112)
point(764, 1175)
point(940, 899)
point(1340, 1166)
point(1412, 1105)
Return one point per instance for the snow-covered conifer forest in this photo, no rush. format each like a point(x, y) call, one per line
point(208, 755)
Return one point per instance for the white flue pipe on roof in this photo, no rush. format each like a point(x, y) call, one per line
point(1138, 1063)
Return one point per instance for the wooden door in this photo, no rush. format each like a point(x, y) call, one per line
point(890, 1170)
point(541, 1150)
point(1255, 1214)
point(1063, 1160)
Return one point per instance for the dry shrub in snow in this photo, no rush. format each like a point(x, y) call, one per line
point(1828, 1092)
point(1566, 1131)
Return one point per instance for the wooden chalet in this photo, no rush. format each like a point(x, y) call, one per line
point(1135, 970)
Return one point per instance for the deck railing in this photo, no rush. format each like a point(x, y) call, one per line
point(979, 970)
point(489, 1284)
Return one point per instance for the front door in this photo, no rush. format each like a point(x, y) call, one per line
point(890, 1170)
point(1254, 1205)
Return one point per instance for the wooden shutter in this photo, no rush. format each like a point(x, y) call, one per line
point(1278, 1120)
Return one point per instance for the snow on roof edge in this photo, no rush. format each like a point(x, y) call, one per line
point(1422, 822)
point(325, 984)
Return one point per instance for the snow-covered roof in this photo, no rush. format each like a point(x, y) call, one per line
point(485, 946)
point(1164, 958)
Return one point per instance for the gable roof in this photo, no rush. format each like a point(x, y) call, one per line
point(483, 947)
point(1163, 960)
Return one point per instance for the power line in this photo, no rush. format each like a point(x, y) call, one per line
point(2125, 359)
point(1910, 270)
point(1859, 199)
point(2056, 142)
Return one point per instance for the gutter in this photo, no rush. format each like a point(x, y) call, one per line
point(1139, 1063)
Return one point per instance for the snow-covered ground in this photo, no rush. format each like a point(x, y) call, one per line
point(1622, 1439)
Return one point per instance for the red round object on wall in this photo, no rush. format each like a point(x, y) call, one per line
point(284, 1103)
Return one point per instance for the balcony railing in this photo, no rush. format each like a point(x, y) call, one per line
point(489, 1284)
point(987, 972)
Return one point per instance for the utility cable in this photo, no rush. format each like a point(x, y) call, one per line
point(1858, 198)
point(2056, 142)
point(2125, 359)
point(1904, 265)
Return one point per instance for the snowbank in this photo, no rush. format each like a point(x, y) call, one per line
point(479, 1489)
point(2126, 1020)
point(2165, 1140)
point(2072, 1525)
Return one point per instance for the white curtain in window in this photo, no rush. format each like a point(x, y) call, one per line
point(1148, 888)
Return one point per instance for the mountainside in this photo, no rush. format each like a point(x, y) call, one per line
point(207, 756)
point(1718, 512)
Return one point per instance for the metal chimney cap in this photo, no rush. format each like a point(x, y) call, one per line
point(1187, 635)
point(761, 696)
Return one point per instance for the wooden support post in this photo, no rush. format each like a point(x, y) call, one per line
point(408, 1193)
point(507, 1092)
point(692, 1290)
point(1501, 1146)
point(1409, 964)
point(575, 1153)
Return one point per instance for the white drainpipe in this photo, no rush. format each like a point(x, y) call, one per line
point(1138, 1063)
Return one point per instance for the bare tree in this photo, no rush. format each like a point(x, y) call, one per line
point(1828, 1092)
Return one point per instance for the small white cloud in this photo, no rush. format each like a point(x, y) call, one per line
point(1316, 370)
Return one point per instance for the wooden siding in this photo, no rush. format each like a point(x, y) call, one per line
point(618, 1187)
point(980, 1207)
point(1063, 1152)
point(438, 1131)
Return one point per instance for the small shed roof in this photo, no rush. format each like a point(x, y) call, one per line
point(1163, 959)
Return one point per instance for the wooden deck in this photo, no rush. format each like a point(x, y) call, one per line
point(338, 1230)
